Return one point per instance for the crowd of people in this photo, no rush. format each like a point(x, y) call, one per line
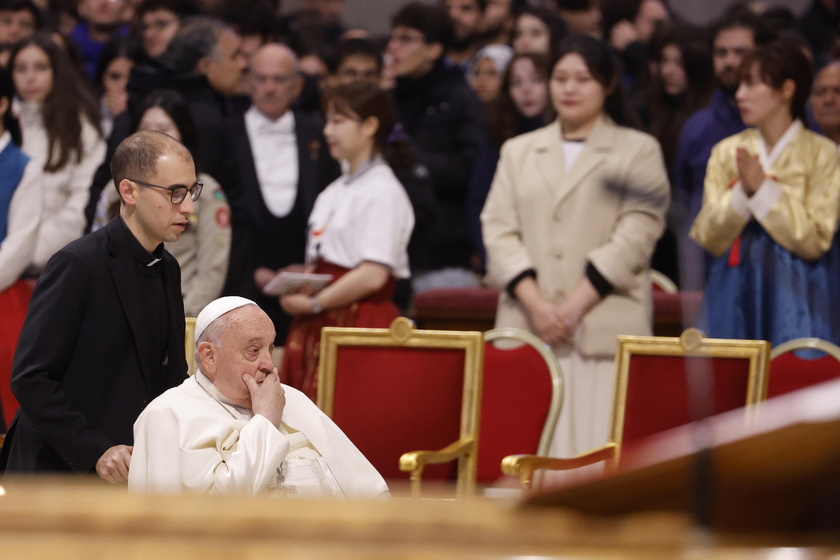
point(557, 150)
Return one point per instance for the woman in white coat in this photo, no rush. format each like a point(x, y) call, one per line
point(59, 119)
point(571, 221)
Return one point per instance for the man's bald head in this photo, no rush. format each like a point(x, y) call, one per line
point(137, 156)
point(825, 100)
point(276, 80)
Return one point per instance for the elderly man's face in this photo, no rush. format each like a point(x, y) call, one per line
point(226, 68)
point(825, 97)
point(275, 80)
point(244, 348)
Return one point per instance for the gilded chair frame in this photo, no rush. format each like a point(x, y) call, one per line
point(189, 344)
point(806, 343)
point(663, 282)
point(519, 335)
point(690, 344)
point(403, 334)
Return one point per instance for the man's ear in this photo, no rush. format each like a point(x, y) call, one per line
point(207, 359)
point(128, 192)
point(203, 65)
point(436, 50)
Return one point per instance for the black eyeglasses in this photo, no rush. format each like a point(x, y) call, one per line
point(178, 193)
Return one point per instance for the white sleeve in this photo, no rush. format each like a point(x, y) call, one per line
point(385, 223)
point(174, 454)
point(22, 225)
point(68, 223)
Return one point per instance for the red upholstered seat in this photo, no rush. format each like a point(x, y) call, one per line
point(456, 308)
point(520, 400)
point(789, 371)
point(663, 383)
point(658, 395)
point(393, 400)
point(401, 390)
point(473, 299)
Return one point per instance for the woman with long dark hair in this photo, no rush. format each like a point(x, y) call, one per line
point(771, 204)
point(59, 119)
point(523, 105)
point(358, 230)
point(570, 224)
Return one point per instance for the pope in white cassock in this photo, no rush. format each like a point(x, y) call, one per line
point(233, 427)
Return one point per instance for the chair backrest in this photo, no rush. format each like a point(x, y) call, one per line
point(819, 361)
point(661, 282)
point(522, 392)
point(666, 382)
point(403, 389)
point(189, 345)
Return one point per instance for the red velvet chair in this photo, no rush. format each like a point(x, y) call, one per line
point(522, 392)
point(462, 309)
point(399, 391)
point(663, 383)
point(790, 372)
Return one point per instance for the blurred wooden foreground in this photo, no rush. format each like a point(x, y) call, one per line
point(74, 518)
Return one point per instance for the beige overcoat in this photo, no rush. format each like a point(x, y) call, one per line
point(608, 209)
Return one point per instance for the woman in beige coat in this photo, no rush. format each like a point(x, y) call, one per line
point(573, 215)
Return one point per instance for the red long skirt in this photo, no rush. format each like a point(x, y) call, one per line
point(13, 303)
point(303, 345)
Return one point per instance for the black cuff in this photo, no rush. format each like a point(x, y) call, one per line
point(601, 284)
point(511, 287)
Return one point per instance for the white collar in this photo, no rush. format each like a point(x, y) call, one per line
point(261, 123)
point(211, 389)
point(5, 139)
point(767, 160)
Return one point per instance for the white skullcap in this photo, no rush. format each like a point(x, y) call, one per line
point(499, 55)
point(216, 309)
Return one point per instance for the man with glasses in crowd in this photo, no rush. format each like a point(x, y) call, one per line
point(283, 163)
point(104, 333)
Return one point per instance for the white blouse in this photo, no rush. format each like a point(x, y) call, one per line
point(363, 217)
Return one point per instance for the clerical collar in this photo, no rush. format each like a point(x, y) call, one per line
point(139, 252)
point(211, 389)
point(363, 168)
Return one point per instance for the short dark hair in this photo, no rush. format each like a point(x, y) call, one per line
point(172, 103)
point(739, 18)
point(574, 5)
point(136, 157)
point(432, 21)
point(356, 46)
point(23, 6)
point(778, 61)
point(181, 8)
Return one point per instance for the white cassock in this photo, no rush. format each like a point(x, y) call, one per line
point(191, 438)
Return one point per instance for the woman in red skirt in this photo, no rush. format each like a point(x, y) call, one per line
point(358, 230)
point(20, 216)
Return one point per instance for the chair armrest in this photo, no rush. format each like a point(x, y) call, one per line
point(414, 461)
point(524, 466)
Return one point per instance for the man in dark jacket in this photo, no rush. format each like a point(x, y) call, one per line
point(444, 122)
point(104, 332)
point(204, 64)
point(283, 164)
